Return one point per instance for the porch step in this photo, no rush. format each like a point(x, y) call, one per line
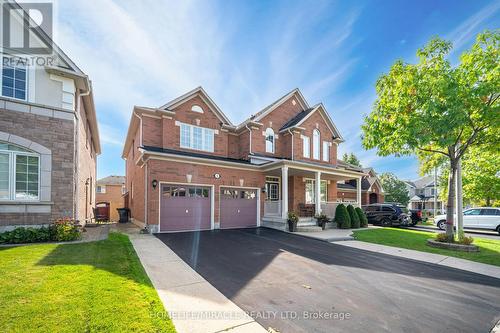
point(308, 228)
point(274, 223)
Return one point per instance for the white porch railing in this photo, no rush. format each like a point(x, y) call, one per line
point(272, 208)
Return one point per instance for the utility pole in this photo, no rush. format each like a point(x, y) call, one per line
point(459, 201)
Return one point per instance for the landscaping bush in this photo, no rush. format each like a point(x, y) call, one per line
point(342, 217)
point(442, 237)
point(466, 240)
point(61, 230)
point(363, 220)
point(355, 223)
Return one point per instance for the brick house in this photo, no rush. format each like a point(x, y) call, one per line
point(189, 168)
point(109, 194)
point(49, 140)
point(371, 189)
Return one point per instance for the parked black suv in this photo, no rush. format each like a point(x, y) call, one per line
point(387, 214)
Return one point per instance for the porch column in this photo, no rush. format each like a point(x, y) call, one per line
point(317, 193)
point(358, 191)
point(284, 191)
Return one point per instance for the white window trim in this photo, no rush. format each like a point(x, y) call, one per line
point(306, 152)
point(191, 138)
point(12, 175)
point(101, 189)
point(326, 151)
point(273, 147)
point(313, 181)
point(316, 144)
point(26, 83)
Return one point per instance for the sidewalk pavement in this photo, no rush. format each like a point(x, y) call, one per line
point(438, 259)
point(332, 235)
point(186, 293)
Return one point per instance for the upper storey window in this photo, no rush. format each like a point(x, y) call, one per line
point(270, 140)
point(199, 138)
point(316, 143)
point(306, 147)
point(326, 151)
point(14, 78)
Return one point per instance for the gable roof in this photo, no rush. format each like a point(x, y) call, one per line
point(111, 180)
point(421, 182)
point(265, 111)
point(205, 97)
point(300, 118)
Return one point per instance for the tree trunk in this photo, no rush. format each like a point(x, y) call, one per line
point(451, 200)
point(488, 202)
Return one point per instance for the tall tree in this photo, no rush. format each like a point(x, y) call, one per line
point(351, 159)
point(433, 108)
point(395, 190)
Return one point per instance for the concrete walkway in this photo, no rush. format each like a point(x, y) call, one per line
point(332, 235)
point(193, 304)
point(466, 265)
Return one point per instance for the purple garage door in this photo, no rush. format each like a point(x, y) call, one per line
point(238, 208)
point(184, 208)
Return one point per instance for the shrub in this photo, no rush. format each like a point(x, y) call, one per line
point(293, 217)
point(442, 237)
point(342, 217)
point(466, 240)
point(61, 230)
point(355, 223)
point(322, 218)
point(363, 220)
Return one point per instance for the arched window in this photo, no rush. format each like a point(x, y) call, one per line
point(269, 140)
point(19, 173)
point(316, 142)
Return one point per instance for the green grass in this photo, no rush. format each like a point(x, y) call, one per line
point(88, 287)
point(489, 252)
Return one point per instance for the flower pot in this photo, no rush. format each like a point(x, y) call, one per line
point(292, 226)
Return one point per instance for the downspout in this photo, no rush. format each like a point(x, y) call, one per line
point(146, 184)
point(291, 133)
point(250, 138)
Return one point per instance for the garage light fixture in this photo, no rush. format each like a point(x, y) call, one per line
point(154, 183)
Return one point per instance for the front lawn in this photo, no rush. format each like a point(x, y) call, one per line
point(416, 240)
point(87, 287)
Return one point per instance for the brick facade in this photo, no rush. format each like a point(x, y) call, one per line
point(114, 197)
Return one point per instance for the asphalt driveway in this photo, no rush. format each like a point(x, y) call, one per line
point(296, 284)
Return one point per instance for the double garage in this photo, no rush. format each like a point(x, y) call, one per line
point(191, 207)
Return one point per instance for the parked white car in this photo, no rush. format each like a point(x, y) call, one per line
point(487, 218)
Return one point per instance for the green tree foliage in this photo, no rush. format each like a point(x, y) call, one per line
point(395, 190)
point(436, 109)
point(362, 217)
point(355, 223)
point(351, 159)
point(342, 217)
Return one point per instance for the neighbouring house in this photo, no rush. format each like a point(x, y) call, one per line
point(189, 168)
point(422, 192)
point(371, 188)
point(109, 196)
point(49, 138)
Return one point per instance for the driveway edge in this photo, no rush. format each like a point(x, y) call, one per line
point(193, 304)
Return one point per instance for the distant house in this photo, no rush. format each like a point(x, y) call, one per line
point(371, 188)
point(422, 192)
point(109, 195)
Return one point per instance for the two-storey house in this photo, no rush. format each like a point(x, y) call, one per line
point(189, 168)
point(423, 192)
point(49, 138)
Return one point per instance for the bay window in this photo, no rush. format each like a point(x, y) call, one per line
point(199, 138)
point(19, 173)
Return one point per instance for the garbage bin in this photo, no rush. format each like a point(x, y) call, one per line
point(124, 214)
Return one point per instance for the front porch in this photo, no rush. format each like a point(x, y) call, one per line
point(306, 191)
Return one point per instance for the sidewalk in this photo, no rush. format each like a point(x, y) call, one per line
point(438, 259)
point(186, 293)
point(332, 235)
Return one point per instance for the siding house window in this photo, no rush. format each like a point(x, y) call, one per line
point(306, 147)
point(14, 78)
point(199, 138)
point(316, 142)
point(270, 140)
point(19, 173)
point(326, 151)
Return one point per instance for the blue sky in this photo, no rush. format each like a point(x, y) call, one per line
point(246, 54)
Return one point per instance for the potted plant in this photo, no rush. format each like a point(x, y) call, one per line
point(292, 221)
point(322, 220)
